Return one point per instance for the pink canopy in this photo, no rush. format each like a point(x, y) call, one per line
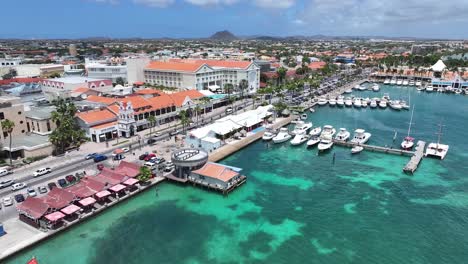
point(130, 181)
point(55, 216)
point(70, 209)
point(87, 201)
point(102, 194)
point(117, 188)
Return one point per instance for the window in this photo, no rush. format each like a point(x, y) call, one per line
point(22, 131)
point(38, 127)
point(2, 116)
point(48, 126)
point(21, 122)
point(29, 128)
point(19, 113)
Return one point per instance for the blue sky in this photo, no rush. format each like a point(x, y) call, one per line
point(201, 18)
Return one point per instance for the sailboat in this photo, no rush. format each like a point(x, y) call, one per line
point(408, 142)
point(436, 149)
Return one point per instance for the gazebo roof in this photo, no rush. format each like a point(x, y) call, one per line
point(439, 66)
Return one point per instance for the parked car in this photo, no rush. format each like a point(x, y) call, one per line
point(42, 171)
point(159, 160)
point(143, 156)
point(118, 157)
point(62, 182)
point(149, 156)
point(5, 171)
point(99, 158)
point(150, 165)
point(229, 110)
point(42, 189)
point(19, 198)
point(157, 134)
point(51, 185)
point(174, 132)
point(31, 192)
point(7, 201)
point(70, 178)
point(18, 186)
point(6, 183)
point(91, 156)
point(151, 141)
point(125, 150)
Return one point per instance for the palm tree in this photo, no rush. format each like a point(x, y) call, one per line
point(152, 120)
point(7, 127)
point(243, 85)
point(184, 120)
point(281, 74)
point(205, 101)
point(198, 111)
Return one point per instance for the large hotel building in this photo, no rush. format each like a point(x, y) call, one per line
point(202, 74)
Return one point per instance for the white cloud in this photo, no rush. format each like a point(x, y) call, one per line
point(155, 3)
point(113, 2)
point(211, 2)
point(275, 4)
point(298, 21)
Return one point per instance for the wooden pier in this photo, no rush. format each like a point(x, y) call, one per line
point(416, 158)
point(395, 151)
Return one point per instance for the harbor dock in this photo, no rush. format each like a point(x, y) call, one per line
point(416, 158)
point(395, 151)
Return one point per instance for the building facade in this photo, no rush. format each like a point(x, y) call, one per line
point(108, 70)
point(63, 87)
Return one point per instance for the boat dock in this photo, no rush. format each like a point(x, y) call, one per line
point(416, 158)
point(395, 151)
point(229, 149)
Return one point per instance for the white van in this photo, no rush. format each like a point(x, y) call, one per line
point(4, 172)
point(151, 165)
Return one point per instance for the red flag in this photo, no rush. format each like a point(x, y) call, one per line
point(33, 261)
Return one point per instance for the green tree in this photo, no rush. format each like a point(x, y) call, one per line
point(67, 133)
point(281, 75)
point(152, 121)
point(206, 102)
point(120, 80)
point(243, 85)
point(145, 174)
point(7, 127)
point(184, 119)
point(197, 111)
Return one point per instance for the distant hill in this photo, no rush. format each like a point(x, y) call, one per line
point(223, 35)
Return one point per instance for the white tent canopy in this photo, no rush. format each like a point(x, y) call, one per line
point(439, 66)
point(213, 87)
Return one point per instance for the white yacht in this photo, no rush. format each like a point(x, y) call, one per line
point(322, 101)
point(268, 135)
point(411, 82)
point(387, 81)
point(356, 149)
point(325, 144)
point(399, 82)
point(404, 105)
point(458, 91)
point(405, 82)
point(299, 139)
point(343, 135)
point(313, 141)
point(364, 103)
point(418, 83)
point(348, 102)
point(393, 81)
point(429, 88)
point(373, 104)
point(348, 91)
point(383, 104)
point(395, 105)
point(357, 86)
point(362, 88)
point(301, 127)
point(421, 88)
point(332, 102)
point(375, 87)
point(436, 149)
point(408, 142)
point(386, 96)
point(304, 116)
point(328, 132)
point(357, 102)
point(360, 136)
point(340, 102)
point(282, 136)
point(315, 132)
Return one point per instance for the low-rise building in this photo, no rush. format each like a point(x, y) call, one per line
point(63, 87)
point(106, 70)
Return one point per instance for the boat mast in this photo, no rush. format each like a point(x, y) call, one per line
point(410, 122)
point(439, 134)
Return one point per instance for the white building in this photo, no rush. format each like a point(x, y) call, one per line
point(63, 87)
point(10, 62)
point(135, 69)
point(106, 70)
point(202, 74)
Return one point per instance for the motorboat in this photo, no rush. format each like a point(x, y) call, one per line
point(411, 82)
point(418, 83)
point(357, 102)
point(429, 88)
point(348, 102)
point(322, 101)
point(315, 132)
point(458, 91)
point(340, 102)
point(357, 86)
point(407, 143)
point(299, 139)
point(395, 105)
point(332, 102)
point(436, 149)
point(268, 135)
point(387, 81)
point(364, 103)
point(421, 88)
point(404, 105)
point(282, 136)
point(328, 132)
point(348, 91)
point(383, 104)
point(301, 127)
point(399, 82)
point(304, 116)
point(405, 82)
point(312, 110)
point(375, 87)
point(362, 88)
point(313, 141)
point(356, 149)
point(393, 81)
point(325, 144)
point(361, 136)
point(373, 104)
point(386, 96)
point(343, 135)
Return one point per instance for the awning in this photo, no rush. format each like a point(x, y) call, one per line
point(87, 201)
point(70, 209)
point(103, 194)
point(117, 188)
point(118, 151)
point(130, 182)
point(55, 216)
point(213, 87)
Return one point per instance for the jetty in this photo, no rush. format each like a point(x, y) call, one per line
point(229, 149)
point(416, 158)
point(395, 151)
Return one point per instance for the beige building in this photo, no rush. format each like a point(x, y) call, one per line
point(38, 120)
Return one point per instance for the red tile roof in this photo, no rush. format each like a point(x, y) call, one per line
point(58, 198)
point(81, 90)
point(105, 125)
point(174, 66)
point(317, 65)
point(96, 116)
point(148, 91)
point(33, 207)
point(161, 101)
point(100, 99)
point(86, 187)
point(216, 171)
point(20, 80)
point(128, 169)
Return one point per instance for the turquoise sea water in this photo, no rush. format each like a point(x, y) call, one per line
point(299, 207)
